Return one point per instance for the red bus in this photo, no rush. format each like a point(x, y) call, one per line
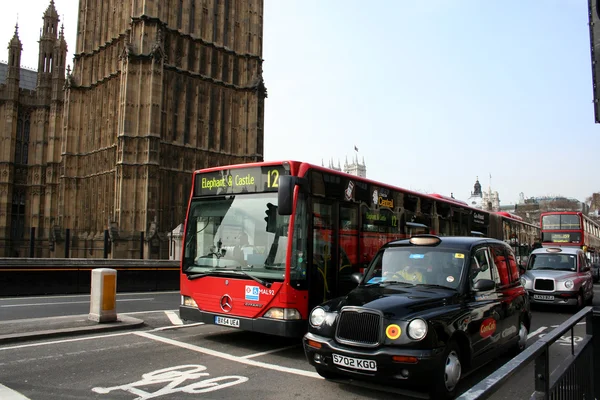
point(571, 228)
point(266, 242)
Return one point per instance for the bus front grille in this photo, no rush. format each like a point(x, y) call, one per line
point(359, 328)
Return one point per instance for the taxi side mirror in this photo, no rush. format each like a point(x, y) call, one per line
point(356, 277)
point(484, 285)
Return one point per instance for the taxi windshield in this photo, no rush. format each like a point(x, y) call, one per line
point(559, 262)
point(417, 266)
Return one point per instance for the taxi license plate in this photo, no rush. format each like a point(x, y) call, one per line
point(227, 321)
point(543, 297)
point(356, 363)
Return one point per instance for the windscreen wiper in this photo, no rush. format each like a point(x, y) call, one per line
point(229, 272)
point(433, 285)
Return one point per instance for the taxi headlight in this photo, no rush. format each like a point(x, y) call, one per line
point(417, 329)
point(523, 281)
point(282, 313)
point(569, 284)
point(317, 316)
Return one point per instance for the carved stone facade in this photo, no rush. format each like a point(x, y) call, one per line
point(31, 110)
point(159, 88)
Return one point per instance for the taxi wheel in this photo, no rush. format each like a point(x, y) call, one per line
point(579, 305)
point(448, 374)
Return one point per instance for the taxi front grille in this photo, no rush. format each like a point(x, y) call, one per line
point(544, 284)
point(359, 328)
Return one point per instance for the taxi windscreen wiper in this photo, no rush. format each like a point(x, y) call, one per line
point(227, 271)
point(433, 285)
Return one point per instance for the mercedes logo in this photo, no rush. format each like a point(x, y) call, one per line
point(226, 303)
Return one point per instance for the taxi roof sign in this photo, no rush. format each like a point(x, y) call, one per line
point(553, 250)
point(425, 240)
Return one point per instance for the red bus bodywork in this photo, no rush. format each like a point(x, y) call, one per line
point(585, 232)
point(282, 306)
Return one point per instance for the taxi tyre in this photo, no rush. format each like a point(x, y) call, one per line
point(579, 305)
point(450, 358)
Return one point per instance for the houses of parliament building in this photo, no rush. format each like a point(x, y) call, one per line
point(159, 88)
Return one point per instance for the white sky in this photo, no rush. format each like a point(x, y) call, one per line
point(433, 92)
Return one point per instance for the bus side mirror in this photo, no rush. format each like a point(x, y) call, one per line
point(285, 194)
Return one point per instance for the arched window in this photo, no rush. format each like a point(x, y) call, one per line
point(22, 140)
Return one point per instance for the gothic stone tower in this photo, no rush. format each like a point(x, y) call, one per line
point(159, 88)
point(31, 109)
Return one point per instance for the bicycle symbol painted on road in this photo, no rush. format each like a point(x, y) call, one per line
point(171, 379)
point(565, 340)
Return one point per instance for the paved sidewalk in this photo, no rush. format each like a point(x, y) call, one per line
point(21, 330)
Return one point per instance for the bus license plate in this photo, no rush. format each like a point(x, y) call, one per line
point(227, 321)
point(543, 297)
point(357, 363)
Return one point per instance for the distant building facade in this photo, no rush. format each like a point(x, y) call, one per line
point(353, 168)
point(531, 208)
point(31, 112)
point(159, 88)
point(489, 200)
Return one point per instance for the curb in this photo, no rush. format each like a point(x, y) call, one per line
point(122, 323)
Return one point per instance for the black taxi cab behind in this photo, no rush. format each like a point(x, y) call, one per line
point(427, 310)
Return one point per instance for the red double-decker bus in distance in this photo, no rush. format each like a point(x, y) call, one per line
point(266, 242)
point(571, 228)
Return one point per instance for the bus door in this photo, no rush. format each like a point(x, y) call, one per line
point(322, 259)
point(334, 250)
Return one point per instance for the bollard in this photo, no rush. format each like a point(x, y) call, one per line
point(103, 299)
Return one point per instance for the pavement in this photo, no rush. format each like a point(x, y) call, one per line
point(21, 330)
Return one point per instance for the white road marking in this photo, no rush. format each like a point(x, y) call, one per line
point(9, 394)
point(264, 353)
point(174, 318)
point(70, 296)
point(67, 302)
point(229, 357)
point(166, 328)
point(22, 346)
point(537, 331)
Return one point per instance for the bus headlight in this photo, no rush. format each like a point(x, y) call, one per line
point(569, 284)
point(188, 302)
point(283, 313)
point(317, 316)
point(417, 329)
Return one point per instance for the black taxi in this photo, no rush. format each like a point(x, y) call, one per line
point(427, 310)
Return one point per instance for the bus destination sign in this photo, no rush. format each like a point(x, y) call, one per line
point(561, 237)
point(239, 180)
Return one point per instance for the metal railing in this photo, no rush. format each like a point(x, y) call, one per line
point(572, 379)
